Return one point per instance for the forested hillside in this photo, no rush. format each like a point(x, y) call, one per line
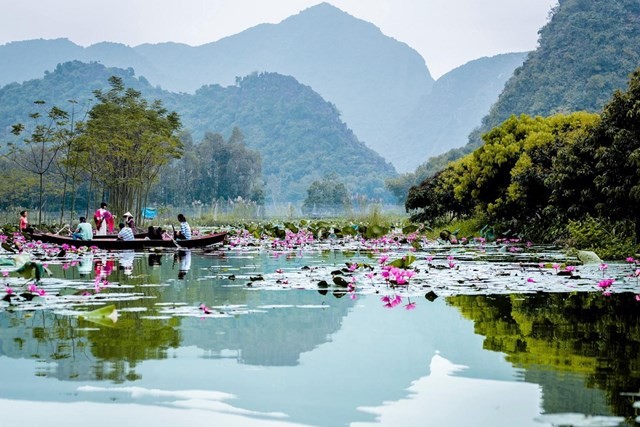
point(298, 135)
point(586, 51)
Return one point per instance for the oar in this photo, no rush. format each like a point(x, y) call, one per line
point(173, 237)
point(63, 227)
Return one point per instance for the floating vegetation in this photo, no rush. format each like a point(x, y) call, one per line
point(402, 269)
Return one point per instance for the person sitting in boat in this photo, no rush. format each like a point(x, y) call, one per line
point(83, 230)
point(24, 223)
point(125, 232)
point(154, 233)
point(103, 220)
point(128, 219)
point(185, 231)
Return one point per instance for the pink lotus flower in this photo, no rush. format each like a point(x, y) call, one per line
point(637, 297)
point(631, 259)
point(429, 258)
point(530, 280)
point(383, 259)
point(279, 271)
point(556, 267)
point(606, 283)
point(570, 268)
point(603, 266)
point(410, 306)
point(353, 267)
point(5, 273)
point(9, 290)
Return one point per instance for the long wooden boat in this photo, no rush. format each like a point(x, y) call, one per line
point(115, 244)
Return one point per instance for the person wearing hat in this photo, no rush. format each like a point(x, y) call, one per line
point(128, 219)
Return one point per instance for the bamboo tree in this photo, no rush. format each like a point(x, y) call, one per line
point(127, 141)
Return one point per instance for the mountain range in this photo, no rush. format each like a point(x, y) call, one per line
point(381, 87)
point(299, 135)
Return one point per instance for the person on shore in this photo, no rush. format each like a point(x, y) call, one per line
point(24, 223)
point(185, 231)
point(125, 232)
point(104, 220)
point(83, 230)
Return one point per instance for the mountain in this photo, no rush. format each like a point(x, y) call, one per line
point(299, 135)
point(374, 80)
point(456, 105)
point(586, 52)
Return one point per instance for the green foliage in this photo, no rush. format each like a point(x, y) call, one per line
point(609, 240)
point(327, 197)
point(215, 171)
point(507, 179)
point(404, 262)
point(133, 139)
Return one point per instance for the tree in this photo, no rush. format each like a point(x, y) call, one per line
point(41, 147)
point(126, 142)
point(618, 155)
point(212, 170)
point(328, 195)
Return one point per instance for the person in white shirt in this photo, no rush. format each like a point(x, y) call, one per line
point(83, 231)
point(125, 232)
point(185, 230)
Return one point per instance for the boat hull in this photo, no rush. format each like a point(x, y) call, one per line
point(115, 244)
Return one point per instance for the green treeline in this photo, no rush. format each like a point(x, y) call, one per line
point(212, 170)
point(537, 175)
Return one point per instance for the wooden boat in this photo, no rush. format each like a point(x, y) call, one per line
point(115, 244)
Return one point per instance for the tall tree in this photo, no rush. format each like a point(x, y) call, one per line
point(42, 146)
point(127, 141)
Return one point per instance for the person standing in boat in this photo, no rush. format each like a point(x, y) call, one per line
point(104, 220)
point(125, 232)
point(83, 230)
point(185, 231)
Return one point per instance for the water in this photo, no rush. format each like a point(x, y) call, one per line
point(273, 348)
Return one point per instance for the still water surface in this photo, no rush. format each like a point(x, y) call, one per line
point(280, 355)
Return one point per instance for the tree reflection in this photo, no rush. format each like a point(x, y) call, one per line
point(581, 333)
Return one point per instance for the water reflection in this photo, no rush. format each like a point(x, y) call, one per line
point(320, 359)
point(183, 258)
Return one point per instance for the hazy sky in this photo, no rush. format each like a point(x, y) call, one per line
point(447, 33)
